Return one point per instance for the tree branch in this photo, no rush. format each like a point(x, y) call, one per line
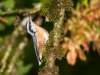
point(53, 51)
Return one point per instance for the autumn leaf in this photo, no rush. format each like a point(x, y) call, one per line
point(71, 57)
point(81, 55)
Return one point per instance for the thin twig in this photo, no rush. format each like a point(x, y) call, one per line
point(9, 48)
point(17, 54)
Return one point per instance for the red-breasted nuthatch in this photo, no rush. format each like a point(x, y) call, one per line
point(40, 37)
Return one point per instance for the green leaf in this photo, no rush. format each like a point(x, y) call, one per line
point(0, 11)
point(34, 4)
point(1, 40)
point(82, 37)
point(85, 3)
point(98, 29)
point(77, 6)
point(22, 69)
point(8, 3)
point(0, 74)
point(10, 20)
point(2, 27)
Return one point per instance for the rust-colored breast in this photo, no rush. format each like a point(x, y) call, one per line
point(40, 37)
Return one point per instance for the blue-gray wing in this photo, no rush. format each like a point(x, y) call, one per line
point(36, 49)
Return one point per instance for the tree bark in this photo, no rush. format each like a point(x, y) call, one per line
point(51, 54)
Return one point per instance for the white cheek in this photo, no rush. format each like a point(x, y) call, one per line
point(33, 28)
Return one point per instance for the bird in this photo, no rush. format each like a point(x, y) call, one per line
point(39, 35)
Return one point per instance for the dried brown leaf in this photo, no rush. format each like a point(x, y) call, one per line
point(71, 57)
point(81, 55)
point(64, 45)
point(3, 20)
point(85, 46)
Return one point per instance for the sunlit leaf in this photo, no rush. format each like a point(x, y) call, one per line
point(8, 3)
point(85, 3)
point(82, 37)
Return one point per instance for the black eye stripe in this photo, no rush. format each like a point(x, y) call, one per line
point(30, 27)
point(29, 23)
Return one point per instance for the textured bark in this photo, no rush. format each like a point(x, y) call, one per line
point(52, 52)
point(58, 29)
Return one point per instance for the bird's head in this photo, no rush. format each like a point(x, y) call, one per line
point(30, 27)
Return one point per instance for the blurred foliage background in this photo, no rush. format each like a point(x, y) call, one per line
point(81, 41)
